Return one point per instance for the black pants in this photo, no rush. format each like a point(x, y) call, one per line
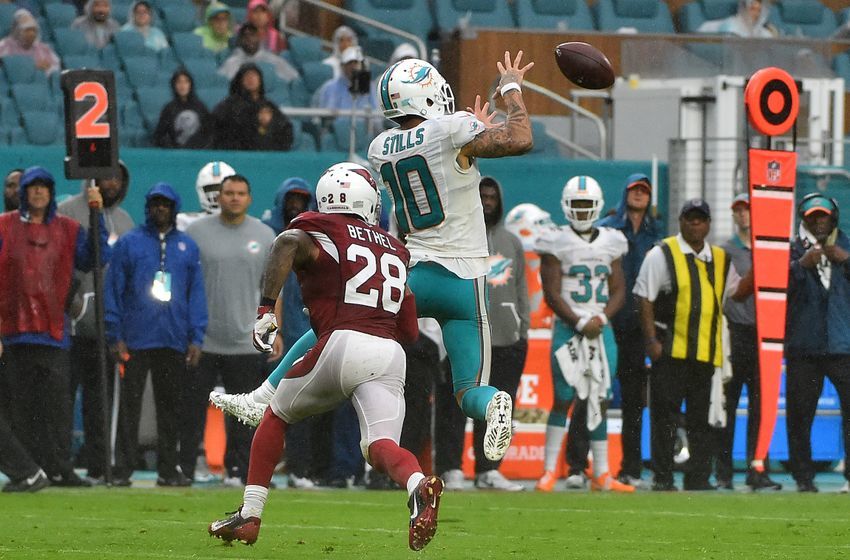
point(423, 365)
point(449, 423)
point(240, 373)
point(670, 382)
point(166, 367)
point(15, 460)
point(633, 377)
point(39, 404)
point(505, 373)
point(745, 371)
point(85, 371)
point(803, 385)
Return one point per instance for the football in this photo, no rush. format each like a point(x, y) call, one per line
point(584, 65)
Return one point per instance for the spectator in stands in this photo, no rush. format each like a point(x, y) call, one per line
point(248, 51)
point(216, 32)
point(749, 21)
point(236, 118)
point(84, 341)
point(633, 217)
point(343, 38)
point(25, 39)
point(234, 248)
point(96, 23)
point(274, 131)
point(817, 340)
point(142, 19)
point(683, 360)
point(39, 250)
point(351, 90)
point(260, 16)
point(11, 185)
point(185, 121)
point(156, 315)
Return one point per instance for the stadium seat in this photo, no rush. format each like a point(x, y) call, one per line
point(306, 49)
point(73, 61)
point(451, 14)
point(315, 74)
point(281, 97)
point(71, 41)
point(803, 18)
point(646, 16)
point(143, 71)
point(211, 96)
point(298, 93)
point(17, 136)
point(270, 80)
point(9, 115)
point(151, 101)
point(553, 14)
point(238, 15)
point(32, 97)
point(129, 116)
point(43, 128)
point(179, 18)
point(7, 18)
point(544, 145)
point(189, 46)
point(342, 134)
point(694, 14)
point(412, 16)
point(205, 72)
point(130, 43)
point(121, 11)
point(20, 69)
point(59, 16)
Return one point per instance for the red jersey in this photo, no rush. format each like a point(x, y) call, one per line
point(358, 281)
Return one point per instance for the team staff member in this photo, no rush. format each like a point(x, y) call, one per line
point(741, 318)
point(817, 333)
point(681, 286)
point(234, 247)
point(156, 314)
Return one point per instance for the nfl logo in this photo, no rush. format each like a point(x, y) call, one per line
point(774, 172)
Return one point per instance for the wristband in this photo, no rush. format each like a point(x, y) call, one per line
point(582, 323)
point(604, 318)
point(263, 309)
point(267, 302)
point(508, 87)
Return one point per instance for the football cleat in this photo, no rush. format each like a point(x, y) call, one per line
point(494, 480)
point(236, 528)
point(546, 482)
point(241, 406)
point(33, 483)
point(607, 483)
point(453, 479)
point(423, 504)
point(497, 437)
point(576, 481)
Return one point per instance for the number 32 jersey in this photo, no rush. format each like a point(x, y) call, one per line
point(436, 203)
point(585, 265)
point(358, 281)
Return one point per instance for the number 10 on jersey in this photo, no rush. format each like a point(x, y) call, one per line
point(409, 195)
point(91, 131)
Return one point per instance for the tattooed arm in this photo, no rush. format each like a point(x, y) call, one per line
point(514, 136)
point(293, 249)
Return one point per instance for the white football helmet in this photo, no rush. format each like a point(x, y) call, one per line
point(582, 187)
point(527, 221)
point(414, 87)
point(208, 184)
point(349, 188)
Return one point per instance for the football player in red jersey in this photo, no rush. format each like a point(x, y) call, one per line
point(353, 278)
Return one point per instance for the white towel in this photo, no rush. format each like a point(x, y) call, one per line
point(722, 375)
point(584, 366)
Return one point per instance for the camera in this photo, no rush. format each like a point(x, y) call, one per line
point(361, 82)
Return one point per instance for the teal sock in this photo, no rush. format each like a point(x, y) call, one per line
point(475, 400)
point(301, 346)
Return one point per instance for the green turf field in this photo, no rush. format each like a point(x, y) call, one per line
point(105, 523)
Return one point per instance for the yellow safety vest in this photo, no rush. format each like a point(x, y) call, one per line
point(694, 328)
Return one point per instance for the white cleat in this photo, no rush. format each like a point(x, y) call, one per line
point(494, 480)
point(241, 406)
point(497, 438)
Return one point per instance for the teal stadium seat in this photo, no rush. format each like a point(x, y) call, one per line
point(32, 97)
point(17, 136)
point(211, 96)
point(280, 97)
point(189, 46)
point(342, 134)
point(544, 145)
point(120, 11)
point(803, 18)
point(20, 69)
point(71, 42)
point(151, 101)
point(59, 16)
point(130, 43)
point(144, 71)
point(180, 18)
point(480, 13)
point(412, 16)
point(647, 16)
point(553, 14)
point(204, 72)
point(7, 18)
point(315, 74)
point(43, 128)
point(298, 93)
point(74, 61)
point(694, 14)
point(306, 49)
point(238, 15)
point(9, 115)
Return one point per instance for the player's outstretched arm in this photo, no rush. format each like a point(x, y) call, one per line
point(514, 138)
point(292, 249)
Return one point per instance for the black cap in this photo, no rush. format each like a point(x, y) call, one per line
point(695, 204)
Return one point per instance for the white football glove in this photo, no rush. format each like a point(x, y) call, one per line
point(265, 329)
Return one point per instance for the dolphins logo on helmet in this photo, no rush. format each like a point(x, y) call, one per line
point(414, 87)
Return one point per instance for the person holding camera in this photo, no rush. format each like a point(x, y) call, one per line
point(248, 49)
point(351, 90)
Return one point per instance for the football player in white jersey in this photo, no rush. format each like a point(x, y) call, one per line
point(207, 185)
point(583, 283)
point(429, 165)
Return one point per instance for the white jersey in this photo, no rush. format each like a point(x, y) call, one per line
point(435, 202)
point(186, 219)
point(585, 265)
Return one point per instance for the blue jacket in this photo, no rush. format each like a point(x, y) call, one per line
point(818, 320)
point(295, 322)
point(639, 245)
point(132, 313)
